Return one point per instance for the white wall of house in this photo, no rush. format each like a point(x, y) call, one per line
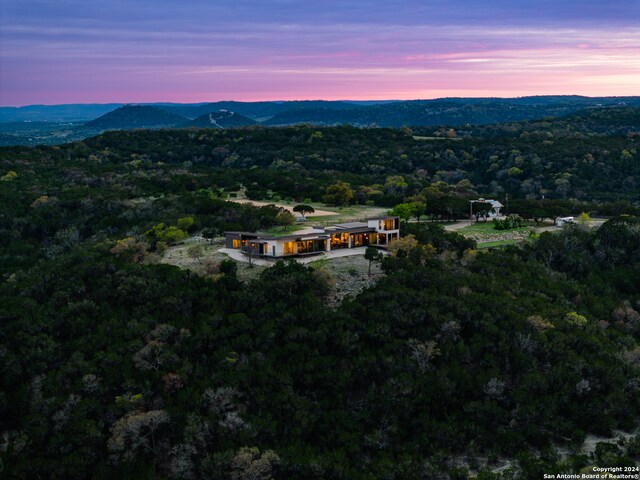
point(379, 227)
point(279, 244)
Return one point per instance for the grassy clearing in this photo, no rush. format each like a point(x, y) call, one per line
point(342, 214)
point(498, 243)
point(486, 236)
point(487, 229)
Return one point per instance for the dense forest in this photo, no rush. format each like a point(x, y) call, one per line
point(540, 160)
point(618, 121)
point(453, 363)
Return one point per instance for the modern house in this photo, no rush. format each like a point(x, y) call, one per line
point(375, 232)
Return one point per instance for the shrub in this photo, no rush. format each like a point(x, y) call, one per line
point(508, 223)
point(10, 175)
point(186, 223)
point(576, 319)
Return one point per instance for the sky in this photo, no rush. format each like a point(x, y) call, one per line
point(135, 51)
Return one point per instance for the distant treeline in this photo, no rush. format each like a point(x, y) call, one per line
point(300, 162)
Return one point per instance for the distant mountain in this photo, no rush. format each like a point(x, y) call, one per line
point(258, 111)
point(135, 116)
point(474, 116)
point(221, 119)
point(263, 111)
point(318, 116)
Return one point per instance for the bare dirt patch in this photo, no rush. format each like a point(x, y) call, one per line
point(317, 213)
point(322, 216)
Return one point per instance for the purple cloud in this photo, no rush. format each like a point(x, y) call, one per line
point(122, 51)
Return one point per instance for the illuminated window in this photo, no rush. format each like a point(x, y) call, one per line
point(340, 240)
point(235, 243)
point(288, 248)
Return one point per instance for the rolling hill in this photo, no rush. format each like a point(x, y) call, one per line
point(472, 115)
point(454, 112)
point(593, 121)
point(221, 119)
point(258, 111)
point(135, 116)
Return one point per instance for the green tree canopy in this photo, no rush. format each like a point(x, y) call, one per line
point(304, 209)
point(338, 194)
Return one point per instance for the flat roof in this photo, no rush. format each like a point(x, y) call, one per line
point(302, 236)
point(349, 225)
point(251, 234)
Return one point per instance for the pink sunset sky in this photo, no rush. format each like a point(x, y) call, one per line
point(197, 51)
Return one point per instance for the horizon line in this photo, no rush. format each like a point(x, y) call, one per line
point(318, 100)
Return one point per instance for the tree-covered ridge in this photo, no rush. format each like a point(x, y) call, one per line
point(123, 183)
point(599, 121)
point(423, 113)
point(454, 362)
point(259, 111)
point(112, 368)
point(597, 167)
point(220, 119)
point(266, 109)
point(135, 116)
